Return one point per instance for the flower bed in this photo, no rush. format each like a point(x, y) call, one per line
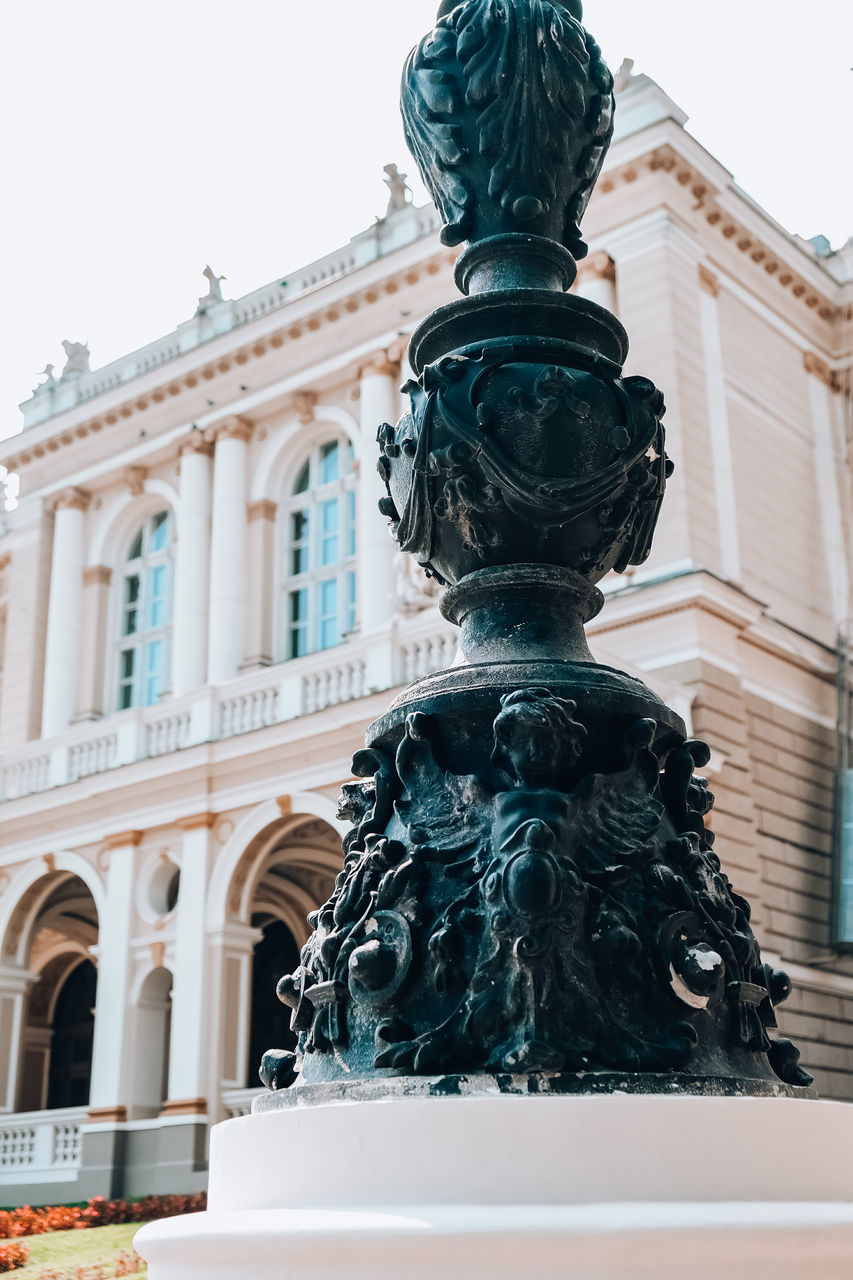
point(13, 1256)
point(99, 1212)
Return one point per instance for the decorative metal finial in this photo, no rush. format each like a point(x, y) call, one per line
point(529, 885)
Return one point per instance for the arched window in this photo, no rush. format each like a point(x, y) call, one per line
point(146, 615)
point(319, 580)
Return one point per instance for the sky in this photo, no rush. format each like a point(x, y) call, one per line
point(142, 139)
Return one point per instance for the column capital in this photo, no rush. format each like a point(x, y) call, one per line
point(265, 509)
point(819, 368)
point(71, 499)
point(97, 575)
point(600, 265)
point(384, 363)
point(197, 821)
point(195, 442)
point(232, 428)
point(708, 281)
point(122, 840)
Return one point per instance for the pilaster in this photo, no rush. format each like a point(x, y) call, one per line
point(597, 280)
point(718, 417)
point(14, 988)
point(95, 626)
point(261, 518)
point(822, 386)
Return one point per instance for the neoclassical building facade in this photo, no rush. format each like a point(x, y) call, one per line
point(201, 611)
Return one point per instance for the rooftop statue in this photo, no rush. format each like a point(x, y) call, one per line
point(400, 195)
point(77, 358)
point(529, 884)
point(214, 292)
point(49, 377)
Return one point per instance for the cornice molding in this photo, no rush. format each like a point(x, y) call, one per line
point(666, 160)
point(290, 331)
point(97, 575)
point(709, 282)
point(818, 368)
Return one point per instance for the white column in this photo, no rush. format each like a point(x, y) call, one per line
point(110, 1070)
point(14, 986)
point(827, 471)
point(192, 570)
point(379, 403)
point(718, 418)
point(597, 280)
point(228, 551)
point(189, 1061)
point(64, 613)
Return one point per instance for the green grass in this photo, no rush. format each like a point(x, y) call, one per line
point(67, 1250)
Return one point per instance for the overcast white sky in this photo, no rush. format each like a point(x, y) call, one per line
point(140, 139)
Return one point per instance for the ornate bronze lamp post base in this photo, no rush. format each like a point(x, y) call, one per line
point(529, 883)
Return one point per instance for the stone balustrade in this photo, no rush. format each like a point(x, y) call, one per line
point(40, 1146)
point(254, 701)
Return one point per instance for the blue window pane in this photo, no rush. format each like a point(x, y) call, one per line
point(303, 480)
point(330, 463)
point(329, 628)
point(160, 531)
point(153, 672)
point(298, 606)
point(329, 553)
point(351, 523)
point(350, 609)
point(136, 547)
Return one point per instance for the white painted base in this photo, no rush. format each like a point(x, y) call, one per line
point(586, 1188)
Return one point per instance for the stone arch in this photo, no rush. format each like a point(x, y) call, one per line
point(293, 439)
point(119, 518)
point(252, 839)
point(50, 930)
point(28, 892)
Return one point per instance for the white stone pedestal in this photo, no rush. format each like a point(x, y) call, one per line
point(499, 1186)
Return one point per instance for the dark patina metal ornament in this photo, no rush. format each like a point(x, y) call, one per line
point(529, 887)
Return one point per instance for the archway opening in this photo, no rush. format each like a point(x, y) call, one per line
point(152, 1044)
point(54, 933)
point(73, 1034)
point(275, 954)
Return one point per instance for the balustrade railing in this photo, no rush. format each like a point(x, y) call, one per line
point(40, 1146)
point(95, 756)
point(245, 712)
point(25, 776)
point(238, 1102)
point(258, 700)
point(167, 733)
